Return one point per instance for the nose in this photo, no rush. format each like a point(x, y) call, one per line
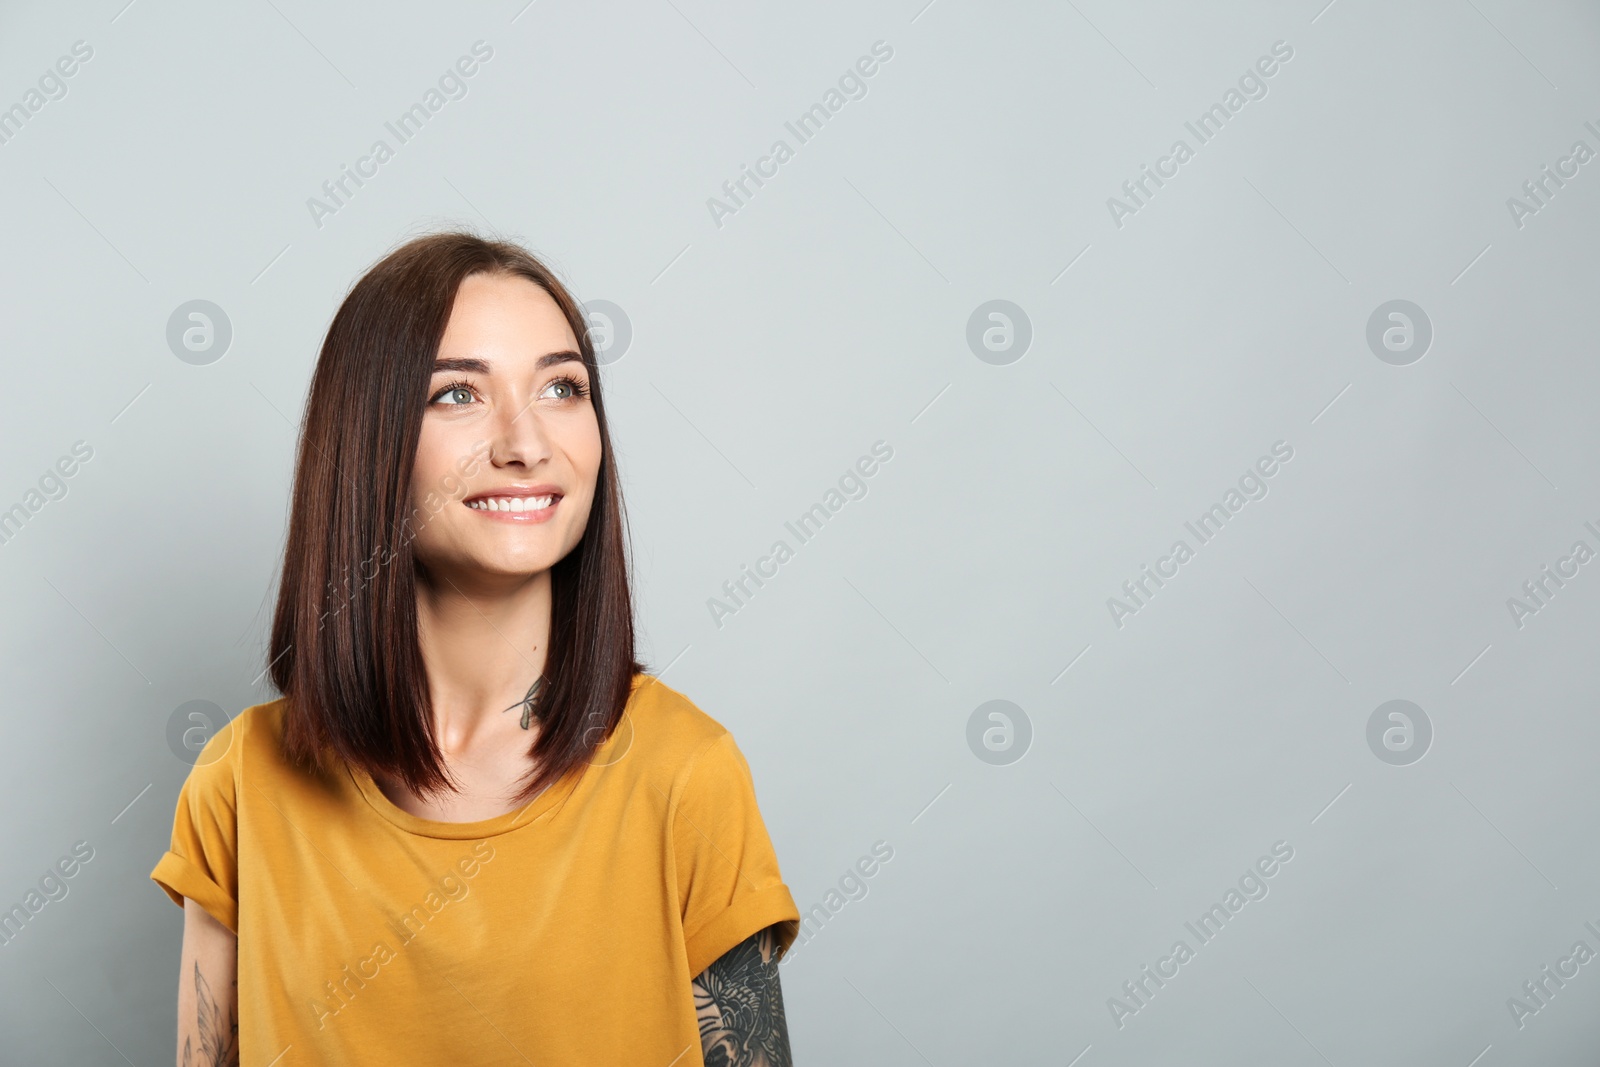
point(520, 437)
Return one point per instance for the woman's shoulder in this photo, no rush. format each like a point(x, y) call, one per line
point(238, 749)
point(693, 760)
point(674, 727)
point(251, 739)
point(260, 725)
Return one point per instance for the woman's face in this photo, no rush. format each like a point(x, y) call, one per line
point(510, 445)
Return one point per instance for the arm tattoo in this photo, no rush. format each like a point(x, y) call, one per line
point(219, 1028)
point(740, 1007)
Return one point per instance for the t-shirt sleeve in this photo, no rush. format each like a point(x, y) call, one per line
point(729, 886)
point(202, 863)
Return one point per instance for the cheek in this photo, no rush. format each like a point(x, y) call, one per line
point(585, 453)
point(435, 468)
point(583, 456)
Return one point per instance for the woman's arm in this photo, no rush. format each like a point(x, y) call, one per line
point(208, 991)
point(740, 1007)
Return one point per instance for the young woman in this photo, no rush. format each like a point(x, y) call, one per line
point(472, 830)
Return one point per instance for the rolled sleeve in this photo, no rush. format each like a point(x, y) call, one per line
point(729, 884)
point(202, 861)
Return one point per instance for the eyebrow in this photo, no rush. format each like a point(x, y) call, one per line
point(479, 366)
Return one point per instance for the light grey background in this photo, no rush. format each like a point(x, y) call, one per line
point(768, 354)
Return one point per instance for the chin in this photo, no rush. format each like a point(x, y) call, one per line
point(459, 561)
point(512, 564)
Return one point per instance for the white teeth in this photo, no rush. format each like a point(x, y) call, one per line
point(512, 503)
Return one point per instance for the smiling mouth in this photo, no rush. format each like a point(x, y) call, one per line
point(519, 503)
point(513, 505)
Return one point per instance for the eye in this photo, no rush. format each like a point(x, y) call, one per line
point(574, 388)
point(455, 394)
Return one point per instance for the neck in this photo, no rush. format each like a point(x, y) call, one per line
point(483, 648)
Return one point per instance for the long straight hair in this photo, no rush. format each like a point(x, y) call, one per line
point(345, 649)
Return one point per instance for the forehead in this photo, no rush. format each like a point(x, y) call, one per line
point(505, 316)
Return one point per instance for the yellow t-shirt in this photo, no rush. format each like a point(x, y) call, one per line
point(564, 933)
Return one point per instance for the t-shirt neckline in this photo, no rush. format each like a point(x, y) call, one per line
point(555, 793)
point(459, 831)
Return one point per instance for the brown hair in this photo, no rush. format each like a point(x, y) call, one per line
point(344, 648)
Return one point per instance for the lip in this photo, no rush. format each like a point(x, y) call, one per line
point(542, 515)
